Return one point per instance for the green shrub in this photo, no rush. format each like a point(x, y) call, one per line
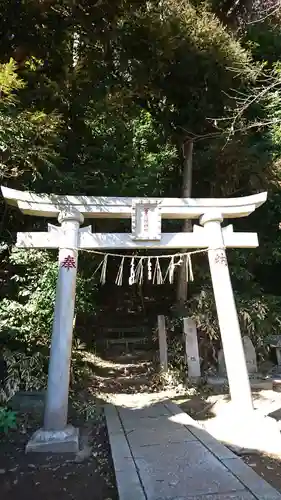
point(8, 420)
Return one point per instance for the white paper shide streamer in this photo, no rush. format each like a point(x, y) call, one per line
point(150, 268)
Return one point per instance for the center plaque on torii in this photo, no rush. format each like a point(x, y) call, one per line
point(146, 220)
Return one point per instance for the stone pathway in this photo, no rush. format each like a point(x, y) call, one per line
point(161, 453)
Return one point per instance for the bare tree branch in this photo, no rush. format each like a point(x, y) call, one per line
point(270, 11)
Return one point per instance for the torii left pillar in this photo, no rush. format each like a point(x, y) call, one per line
point(57, 436)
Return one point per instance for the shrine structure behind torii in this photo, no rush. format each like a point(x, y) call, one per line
point(146, 215)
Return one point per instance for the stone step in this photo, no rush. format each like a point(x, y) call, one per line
point(126, 341)
point(116, 351)
point(131, 370)
point(134, 381)
point(130, 357)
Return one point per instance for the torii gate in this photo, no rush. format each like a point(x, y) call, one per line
point(146, 215)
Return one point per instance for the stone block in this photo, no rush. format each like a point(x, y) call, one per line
point(261, 384)
point(217, 381)
point(129, 485)
point(121, 452)
point(28, 402)
point(128, 482)
point(113, 419)
point(276, 384)
point(64, 441)
point(256, 383)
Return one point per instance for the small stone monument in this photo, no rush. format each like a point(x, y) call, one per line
point(221, 364)
point(250, 355)
point(274, 341)
point(191, 348)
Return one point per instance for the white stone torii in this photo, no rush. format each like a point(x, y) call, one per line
point(146, 215)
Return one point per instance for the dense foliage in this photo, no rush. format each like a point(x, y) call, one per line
point(98, 98)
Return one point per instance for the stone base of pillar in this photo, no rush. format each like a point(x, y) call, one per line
point(65, 441)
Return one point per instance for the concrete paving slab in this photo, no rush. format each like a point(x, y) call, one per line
point(133, 420)
point(169, 470)
point(172, 458)
point(155, 411)
point(150, 428)
point(152, 437)
point(163, 423)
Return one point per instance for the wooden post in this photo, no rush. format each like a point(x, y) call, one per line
point(162, 343)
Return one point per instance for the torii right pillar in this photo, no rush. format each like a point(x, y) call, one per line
point(238, 379)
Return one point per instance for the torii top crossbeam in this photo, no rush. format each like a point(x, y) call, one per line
point(118, 207)
point(146, 215)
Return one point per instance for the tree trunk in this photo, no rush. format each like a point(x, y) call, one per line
point(187, 150)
